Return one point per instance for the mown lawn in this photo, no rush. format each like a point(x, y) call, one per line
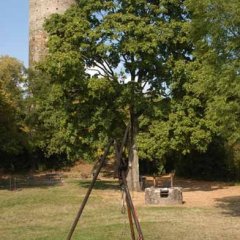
point(42, 213)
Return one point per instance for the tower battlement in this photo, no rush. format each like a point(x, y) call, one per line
point(39, 10)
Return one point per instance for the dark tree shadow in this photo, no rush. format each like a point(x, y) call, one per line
point(229, 205)
point(189, 185)
point(100, 184)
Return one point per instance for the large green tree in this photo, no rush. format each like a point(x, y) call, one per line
point(204, 96)
point(131, 47)
point(170, 68)
point(216, 71)
point(215, 31)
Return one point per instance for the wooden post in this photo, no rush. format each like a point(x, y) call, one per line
point(10, 183)
point(15, 183)
point(154, 181)
point(172, 176)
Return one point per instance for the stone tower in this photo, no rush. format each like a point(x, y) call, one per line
point(39, 10)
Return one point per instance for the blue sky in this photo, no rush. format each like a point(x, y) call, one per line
point(14, 29)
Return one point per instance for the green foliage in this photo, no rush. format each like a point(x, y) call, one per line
point(71, 117)
point(130, 46)
point(215, 73)
point(169, 67)
point(13, 139)
point(182, 129)
point(214, 80)
point(204, 96)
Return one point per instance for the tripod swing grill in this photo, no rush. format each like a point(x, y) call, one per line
point(132, 216)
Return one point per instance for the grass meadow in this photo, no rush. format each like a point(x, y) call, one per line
point(46, 213)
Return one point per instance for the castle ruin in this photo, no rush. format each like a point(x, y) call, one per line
point(39, 10)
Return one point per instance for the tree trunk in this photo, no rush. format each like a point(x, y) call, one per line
point(133, 160)
point(133, 170)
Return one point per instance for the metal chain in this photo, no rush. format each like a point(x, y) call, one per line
point(124, 232)
point(123, 209)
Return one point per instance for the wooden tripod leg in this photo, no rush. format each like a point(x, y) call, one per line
point(89, 191)
point(131, 207)
point(130, 221)
point(122, 177)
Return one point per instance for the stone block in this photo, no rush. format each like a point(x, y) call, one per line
point(163, 196)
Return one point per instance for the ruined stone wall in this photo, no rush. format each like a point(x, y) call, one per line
point(39, 10)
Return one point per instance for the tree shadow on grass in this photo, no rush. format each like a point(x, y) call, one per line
point(100, 184)
point(189, 185)
point(229, 205)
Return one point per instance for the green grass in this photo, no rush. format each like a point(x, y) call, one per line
point(47, 214)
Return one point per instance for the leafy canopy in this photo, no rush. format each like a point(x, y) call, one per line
point(129, 47)
point(12, 78)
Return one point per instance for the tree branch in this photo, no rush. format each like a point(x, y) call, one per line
point(99, 73)
point(110, 69)
point(103, 68)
